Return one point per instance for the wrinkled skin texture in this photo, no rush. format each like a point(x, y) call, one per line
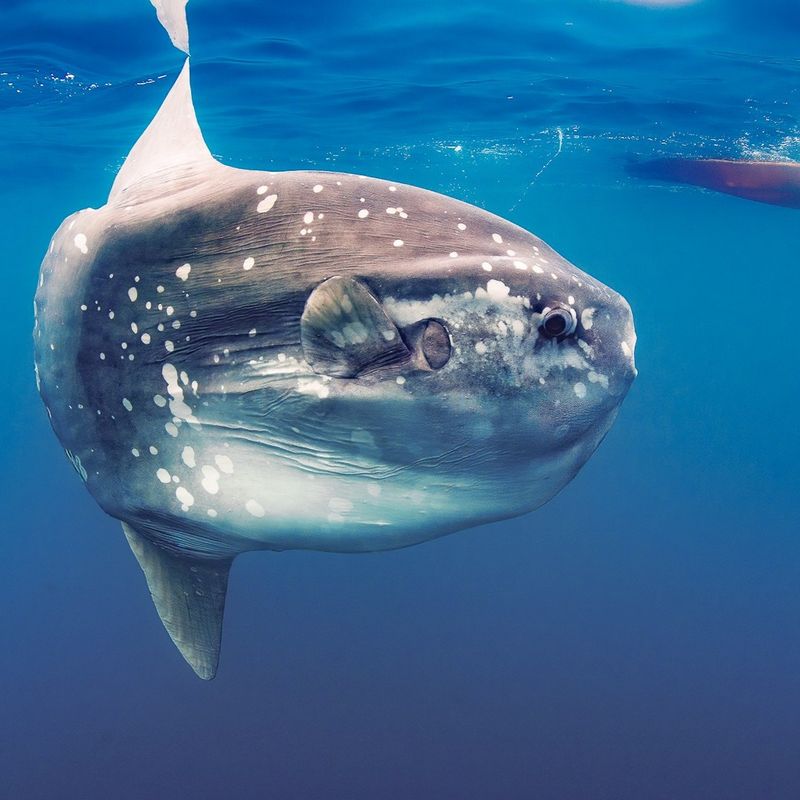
point(342, 464)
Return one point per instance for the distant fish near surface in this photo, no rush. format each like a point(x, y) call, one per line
point(774, 182)
point(238, 360)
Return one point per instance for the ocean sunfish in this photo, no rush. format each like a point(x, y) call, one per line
point(238, 360)
point(774, 182)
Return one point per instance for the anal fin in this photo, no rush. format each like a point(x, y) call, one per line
point(189, 595)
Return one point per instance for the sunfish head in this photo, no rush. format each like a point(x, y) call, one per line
point(518, 363)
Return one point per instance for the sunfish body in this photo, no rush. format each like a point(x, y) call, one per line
point(238, 360)
point(773, 182)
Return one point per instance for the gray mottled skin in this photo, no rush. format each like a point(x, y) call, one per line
point(169, 357)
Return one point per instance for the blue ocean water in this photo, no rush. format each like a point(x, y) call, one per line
point(635, 638)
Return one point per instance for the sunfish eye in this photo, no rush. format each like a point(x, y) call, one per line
point(435, 344)
point(558, 321)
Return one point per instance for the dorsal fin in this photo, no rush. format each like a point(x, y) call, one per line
point(189, 595)
point(172, 15)
point(172, 140)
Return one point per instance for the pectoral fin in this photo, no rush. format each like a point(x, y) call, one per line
point(345, 331)
point(189, 595)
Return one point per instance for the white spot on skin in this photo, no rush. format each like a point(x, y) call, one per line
point(625, 348)
point(153, 450)
point(160, 401)
point(171, 428)
point(254, 508)
point(267, 203)
point(308, 217)
point(480, 348)
point(135, 452)
point(133, 294)
point(163, 475)
point(80, 243)
point(314, 387)
point(127, 403)
point(183, 272)
point(462, 226)
point(497, 290)
point(318, 188)
point(487, 266)
point(537, 269)
point(363, 213)
point(520, 265)
point(497, 238)
point(598, 377)
point(454, 254)
point(145, 338)
point(249, 263)
point(184, 496)
point(251, 332)
point(587, 318)
point(398, 242)
point(580, 389)
point(187, 456)
point(224, 463)
point(210, 480)
point(262, 189)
